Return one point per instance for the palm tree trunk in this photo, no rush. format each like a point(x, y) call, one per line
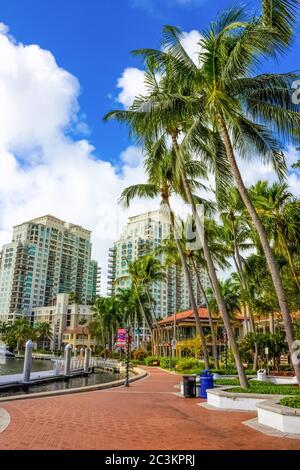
point(255, 359)
point(150, 301)
point(190, 287)
point(211, 323)
point(292, 267)
point(271, 262)
point(212, 274)
point(242, 284)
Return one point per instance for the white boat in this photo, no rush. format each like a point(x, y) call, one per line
point(5, 352)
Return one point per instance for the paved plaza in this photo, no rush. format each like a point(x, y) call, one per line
point(148, 415)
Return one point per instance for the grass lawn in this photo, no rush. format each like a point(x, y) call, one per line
point(268, 389)
point(293, 402)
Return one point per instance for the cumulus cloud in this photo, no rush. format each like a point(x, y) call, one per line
point(131, 82)
point(44, 170)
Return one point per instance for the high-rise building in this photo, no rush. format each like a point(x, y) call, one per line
point(140, 236)
point(47, 256)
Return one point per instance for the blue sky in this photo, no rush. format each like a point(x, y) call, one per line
point(61, 61)
point(92, 39)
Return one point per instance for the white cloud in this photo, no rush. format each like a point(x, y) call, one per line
point(4, 29)
point(132, 84)
point(190, 42)
point(42, 170)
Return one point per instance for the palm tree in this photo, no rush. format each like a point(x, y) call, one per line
point(22, 331)
point(137, 276)
point(162, 181)
point(279, 212)
point(129, 305)
point(236, 234)
point(163, 112)
point(73, 298)
point(106, 320)
point(151, 272)
point(196, 262)
point(231, 294)
point(43, 332)
point(249, 112)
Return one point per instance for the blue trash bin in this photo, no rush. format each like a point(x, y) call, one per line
point(206, 382)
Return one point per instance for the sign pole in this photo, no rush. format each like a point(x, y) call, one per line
point(127, 357)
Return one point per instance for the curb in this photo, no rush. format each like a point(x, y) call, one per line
point(140, 374)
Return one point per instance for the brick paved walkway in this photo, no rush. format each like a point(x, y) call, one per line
point(148, 415)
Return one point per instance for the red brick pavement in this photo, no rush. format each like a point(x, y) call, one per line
point(148, 415)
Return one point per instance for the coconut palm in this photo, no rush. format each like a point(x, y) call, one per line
point(251, 113)
point(154, 116)
point(150, 272)
point(196, 262)
point(129, 306)
point(43, 332)
point(279, 212)
point(236, 235)
point(106, 320)
point(162, 181)
point(231, 295)
point(134, 270)
point(22, 331)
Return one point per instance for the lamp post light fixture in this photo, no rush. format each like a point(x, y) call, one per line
point(267, 359)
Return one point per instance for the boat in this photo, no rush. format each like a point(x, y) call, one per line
point(5, 352)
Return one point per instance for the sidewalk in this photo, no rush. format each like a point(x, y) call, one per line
point(147, 415)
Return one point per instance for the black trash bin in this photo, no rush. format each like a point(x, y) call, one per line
point(189, 386)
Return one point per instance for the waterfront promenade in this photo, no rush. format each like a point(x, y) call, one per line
point(147, 415)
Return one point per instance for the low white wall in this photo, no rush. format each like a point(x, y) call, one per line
point(276, 416)
point(282, 380)
point(230, 401)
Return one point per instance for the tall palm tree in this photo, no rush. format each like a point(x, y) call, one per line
point(137, 277)
point(162, 182)
point(162, 112)
point(106, 320)
point(129, 306)
point(249, 112)
point(236, 235)
point(151, 272)
point(231, 294)
point(279, 212)
point(196, 262)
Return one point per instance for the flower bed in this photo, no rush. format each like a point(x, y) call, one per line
point(292, 402)
point(267, 388)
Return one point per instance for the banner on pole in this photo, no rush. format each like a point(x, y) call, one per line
point(121, 338)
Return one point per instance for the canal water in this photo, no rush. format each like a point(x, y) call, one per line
point(15, 366)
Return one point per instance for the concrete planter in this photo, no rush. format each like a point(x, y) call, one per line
point(220, 398)
point(283, 418)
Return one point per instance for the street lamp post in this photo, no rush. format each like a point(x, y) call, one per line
point(267, 359)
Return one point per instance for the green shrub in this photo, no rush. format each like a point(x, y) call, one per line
point(136, 362)
point(168, 363)
point(188, 364)
point(267, 388)
point(226, 382)
point(152, 359)
point(224, 371)
point(139, 354)
point(293, 402)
